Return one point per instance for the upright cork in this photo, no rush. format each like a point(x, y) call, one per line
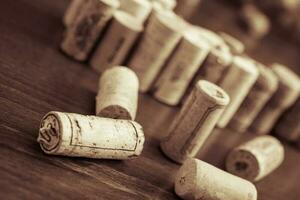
point(167, 4)
point(288, 126)
point(254, 21)
point(77, 135)
point(235, 45)
point(72, 11)
point(261, 92)
point(140, 9)
point(256, 158)
point(187, 8)
point(181, 68)
point(216, 62)
point(117, 42)
point(88, 26)
point(195, 121)
point(218, 59)
point(237, 82)
point(161, 35)
point(118, 94)
point(284, 97)
point(197, 180)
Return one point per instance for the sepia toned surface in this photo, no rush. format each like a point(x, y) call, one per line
point(35, 77)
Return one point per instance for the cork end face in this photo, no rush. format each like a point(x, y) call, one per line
point(128, 20)
point(166, 5)
point(145, 4)
point(218, 46)
point(172, 21)
point(213, 92)
point(195, 37)
point(243, 164)
point(245, 64)
point(49, 133)
point(186, 179)
point(111, 3)
point(115, 112)
point(141, 138)
point(287, 76)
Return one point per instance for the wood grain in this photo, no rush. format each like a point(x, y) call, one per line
point(35, 77)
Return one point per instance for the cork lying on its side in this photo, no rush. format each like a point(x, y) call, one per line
point(285, 96)
point(256, 158)
point(77, 135)
point(116, 42)
point(199, 180)
point(88, 26)
point(161, 35)
point(118, 94)
point(194, 123)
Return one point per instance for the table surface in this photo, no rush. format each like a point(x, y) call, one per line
point(35, 78)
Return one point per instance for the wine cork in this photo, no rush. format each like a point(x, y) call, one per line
point(195, 121)
point(236, 46)
point(216, 62)
point(72, 11)
point(237, 82)
point(285, 96)
point(83, 34)
point(117, 42)
point(181, 68)
point(288, 126)
point(213, 38)
point(160, 37)
point(263, 89)
point(197, 180)
point(256, 23)
point(256, 158)
point(167, 4)
point(118, 94)
point(140, 9)
point(77, 135)
point(218, 59)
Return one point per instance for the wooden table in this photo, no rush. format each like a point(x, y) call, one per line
point(35, 77)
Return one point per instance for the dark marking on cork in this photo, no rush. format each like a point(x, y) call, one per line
point(241, 166)
point(84, 29)
point(177, 73)
point(182, 180)
point(189, 145)
point(91, 125)
point(116, 49)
